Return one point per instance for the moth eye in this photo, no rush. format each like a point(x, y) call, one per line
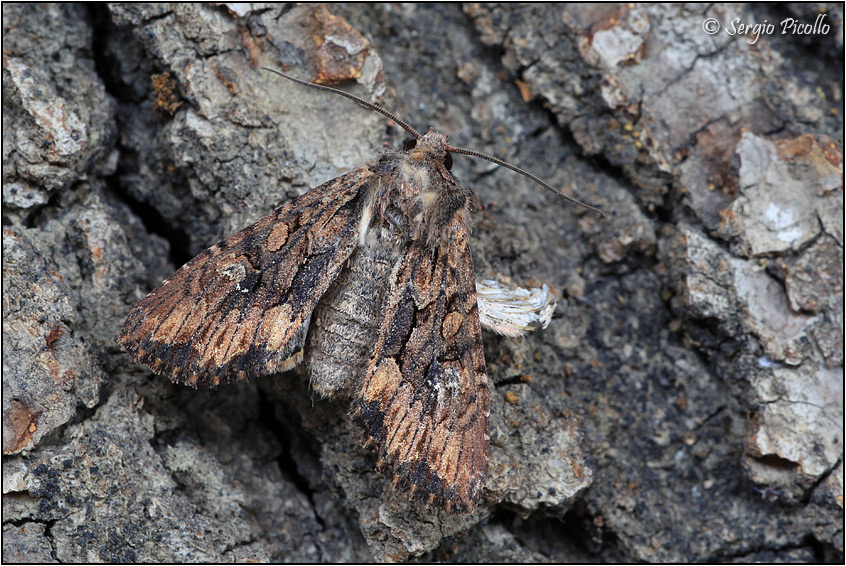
point(448, 161)
point(409, 144)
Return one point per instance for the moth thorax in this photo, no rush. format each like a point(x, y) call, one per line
point(427, 197)
point(415, 178)
point(383, 234)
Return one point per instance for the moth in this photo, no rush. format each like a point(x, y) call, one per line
point(368, 279)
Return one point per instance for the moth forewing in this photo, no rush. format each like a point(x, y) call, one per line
point(241, 308)
point(424, 399)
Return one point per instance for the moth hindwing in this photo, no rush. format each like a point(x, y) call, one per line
point(371, 275)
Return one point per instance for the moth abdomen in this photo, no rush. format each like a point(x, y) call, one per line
point(345, 323)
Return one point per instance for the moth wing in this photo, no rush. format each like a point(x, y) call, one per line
point(424, 398)
point(242, 307)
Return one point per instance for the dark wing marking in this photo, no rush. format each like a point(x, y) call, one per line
point(424, 398)
point(242, 307)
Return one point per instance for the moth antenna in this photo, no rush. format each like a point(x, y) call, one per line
point(364, 103)
point(416, 134)
point(543, 184)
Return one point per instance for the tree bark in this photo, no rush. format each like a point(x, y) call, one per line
point(685, 404)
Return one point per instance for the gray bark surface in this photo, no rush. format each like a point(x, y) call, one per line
point(686, 402)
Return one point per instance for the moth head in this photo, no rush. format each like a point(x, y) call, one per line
point(432, 146)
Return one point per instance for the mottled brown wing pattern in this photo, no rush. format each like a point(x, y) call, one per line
point(424, 398)
point(241, 308)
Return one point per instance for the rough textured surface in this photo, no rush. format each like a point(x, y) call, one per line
point(685, 403)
